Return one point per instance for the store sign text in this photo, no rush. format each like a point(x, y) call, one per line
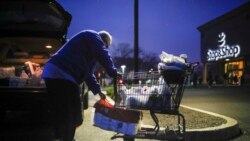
point(224, 51)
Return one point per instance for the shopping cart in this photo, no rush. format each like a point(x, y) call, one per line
point(160, 92)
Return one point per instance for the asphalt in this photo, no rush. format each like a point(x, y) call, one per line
point(223, 132)
point(87, 131)
point(24, 128)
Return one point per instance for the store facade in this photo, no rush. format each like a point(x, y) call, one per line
point(225, 48)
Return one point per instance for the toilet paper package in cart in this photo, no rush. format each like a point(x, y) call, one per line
point(108, 117)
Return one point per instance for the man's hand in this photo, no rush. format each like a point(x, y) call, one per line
point(102, 95)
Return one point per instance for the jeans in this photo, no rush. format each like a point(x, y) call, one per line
point(65, 107)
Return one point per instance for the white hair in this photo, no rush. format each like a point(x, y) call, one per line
point(106, 37)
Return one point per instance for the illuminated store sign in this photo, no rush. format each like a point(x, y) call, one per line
point(224, 51)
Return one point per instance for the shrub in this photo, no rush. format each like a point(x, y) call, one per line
point(110, 91)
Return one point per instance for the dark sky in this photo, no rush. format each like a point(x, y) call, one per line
point(164, 25)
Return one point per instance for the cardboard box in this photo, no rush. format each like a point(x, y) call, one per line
point(124, 121)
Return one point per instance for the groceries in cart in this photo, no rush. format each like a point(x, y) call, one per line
point(108, 117)
point(155, 90)
point(150, 92)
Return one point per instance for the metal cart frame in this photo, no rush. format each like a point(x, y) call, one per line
point(175, 80)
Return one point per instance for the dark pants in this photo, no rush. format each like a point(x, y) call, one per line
point(65, 107)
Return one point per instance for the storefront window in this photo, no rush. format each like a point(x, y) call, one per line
point(234, 71)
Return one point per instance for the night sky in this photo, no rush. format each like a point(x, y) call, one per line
point(164, 25)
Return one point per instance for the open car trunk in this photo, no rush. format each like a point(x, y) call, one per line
point(30, 32)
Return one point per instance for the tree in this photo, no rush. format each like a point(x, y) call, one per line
point(151, 59)
point(123, 50)
point(123, 55)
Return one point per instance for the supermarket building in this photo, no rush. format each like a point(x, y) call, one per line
point(225, 47)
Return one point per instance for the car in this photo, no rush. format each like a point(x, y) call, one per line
point(30, 32)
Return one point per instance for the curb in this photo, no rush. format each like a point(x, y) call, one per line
point(219, 133)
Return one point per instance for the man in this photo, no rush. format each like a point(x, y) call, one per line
point(70, 66)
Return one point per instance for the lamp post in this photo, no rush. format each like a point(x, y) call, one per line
point(123, 68)
point(136, 35)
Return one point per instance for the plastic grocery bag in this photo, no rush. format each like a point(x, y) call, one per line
point(170, 61)
point(170, 58)
point(108, 117)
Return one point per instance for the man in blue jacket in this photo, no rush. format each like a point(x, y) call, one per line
point(70, 66)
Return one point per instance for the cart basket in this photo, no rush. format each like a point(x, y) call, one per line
point(157, 91)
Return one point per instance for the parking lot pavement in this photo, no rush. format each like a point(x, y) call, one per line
point(91, 133)
point(24, 127)
point(88, 132)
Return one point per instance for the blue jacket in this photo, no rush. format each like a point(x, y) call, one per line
point(79, 56)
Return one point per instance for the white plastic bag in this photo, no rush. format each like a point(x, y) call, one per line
point(170, 58)
point(169, 61)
